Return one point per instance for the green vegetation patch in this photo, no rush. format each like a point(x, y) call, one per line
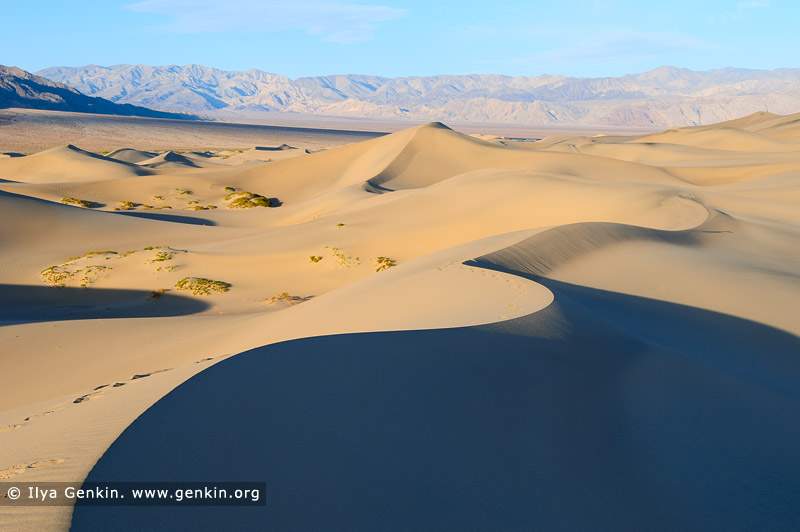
point(384, 263)
point(79, 203)
point(344, 260)
point(247, 200)
point(125, 206)
point(162, 256)
point(55, 275)
point(200, 286)
point(60, 275)
point(83, 270)
point(183, 191)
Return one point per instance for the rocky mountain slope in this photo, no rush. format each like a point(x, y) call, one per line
point(666, 96)
point(19, 88)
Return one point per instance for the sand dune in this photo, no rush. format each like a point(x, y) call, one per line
point(722, 138)
point(169, 159)
point(559, 306)
point(130, 155)
point(65, 164)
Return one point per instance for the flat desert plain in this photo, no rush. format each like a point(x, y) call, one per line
point(425, 330)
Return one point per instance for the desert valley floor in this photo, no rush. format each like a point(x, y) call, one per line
point(420, 331)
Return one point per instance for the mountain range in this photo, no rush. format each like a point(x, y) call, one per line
point(22, 89)
point(665, 96)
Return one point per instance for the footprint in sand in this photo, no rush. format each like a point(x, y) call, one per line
point(100, 390)
point(36, 416)
point(13, 471)
point(16, 426)
point(144, 375)
point(88, 397)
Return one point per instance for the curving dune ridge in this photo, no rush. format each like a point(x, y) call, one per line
point(422, 331)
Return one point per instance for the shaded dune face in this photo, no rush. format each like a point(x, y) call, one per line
point(421, 331)
point(36, 304)
point(629, 418)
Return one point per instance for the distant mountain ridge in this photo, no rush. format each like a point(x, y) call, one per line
point(19, 88)
point(665, 96)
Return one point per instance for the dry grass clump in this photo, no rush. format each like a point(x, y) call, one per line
point(344, 260)
point(384, 263)
point(200, 286)
point(200, 208)
point(163, 256)
point(78, 202)
point(83, 270)
point(155, 294)
point(125, 206)
point(247, 200)
point(183, 191)
point(59, 275)
point(314, 258)
point(55, 275)
point(284, 296)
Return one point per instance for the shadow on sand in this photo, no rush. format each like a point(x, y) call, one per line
point(601, 412)
point(174, 218)
point(29, 304)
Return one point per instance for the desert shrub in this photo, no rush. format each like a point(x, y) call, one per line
point(247, 200)
point(384, 263)
point(183, 191)
point(314, 258)
point(159, 198)
point(284, 296)
point(201, 286)
point(125, 206)
point(155, 294)
point(78, 202)
point(344, 260)
point(55, 275)
point(162, 256)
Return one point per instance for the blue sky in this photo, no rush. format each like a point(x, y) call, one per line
point(392, 38)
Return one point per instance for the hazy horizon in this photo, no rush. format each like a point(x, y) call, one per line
point(368, 74)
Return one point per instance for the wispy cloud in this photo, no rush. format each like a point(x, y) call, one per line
point(754, 5)
point(334, 21)
point(730, 16)
point(621, 46)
